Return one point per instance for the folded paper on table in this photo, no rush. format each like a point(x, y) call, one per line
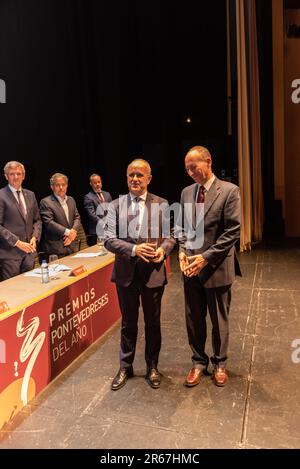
point(53, 270)
point(87, 254)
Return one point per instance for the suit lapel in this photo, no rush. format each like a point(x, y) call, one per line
point(211, 195)
point(122, 216)
point(210, 198)
point(95, 198)
point(190, 207)
point(14, 200)
point(27, 202)
point(71, 212)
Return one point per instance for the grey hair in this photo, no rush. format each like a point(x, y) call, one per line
point(13, 164)
point(95, 175)
point(141, 160)
point(56, 176)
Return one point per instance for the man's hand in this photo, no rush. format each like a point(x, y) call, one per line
point(33, 242)
point(196, 264)
point(159, 255)
point(25, 247)
point(183, 261)
point(145, 251)
point(67, 241)
point(70, 238)
point(72, 234)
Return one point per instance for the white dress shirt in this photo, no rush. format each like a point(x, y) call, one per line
point(63, 203)
point(206, 186)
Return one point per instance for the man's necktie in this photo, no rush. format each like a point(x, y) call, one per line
point(103, 204)
point(65, 208)
point(201, 195)
point(101, 197)
point(133, 218)
point(22, 207)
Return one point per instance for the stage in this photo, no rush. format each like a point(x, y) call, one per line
point(257, 409)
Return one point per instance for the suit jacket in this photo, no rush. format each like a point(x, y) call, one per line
point(55, 223)
point(13, 226)
point(221, 230)
point(121, 243)
point(94, 209)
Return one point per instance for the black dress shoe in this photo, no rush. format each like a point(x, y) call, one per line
point(153, 378)
point(121, 377)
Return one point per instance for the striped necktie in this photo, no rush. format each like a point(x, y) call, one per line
point(22, 207)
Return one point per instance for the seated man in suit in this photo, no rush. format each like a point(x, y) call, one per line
point(60, 218)
point(139, 269)
point(95, 204)
point(20, 223)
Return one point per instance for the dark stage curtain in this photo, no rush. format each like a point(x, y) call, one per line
point(92, 84)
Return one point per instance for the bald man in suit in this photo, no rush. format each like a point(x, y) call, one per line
point(208, 261)
point(20, 223)
point(139, 269)
point(60, 218)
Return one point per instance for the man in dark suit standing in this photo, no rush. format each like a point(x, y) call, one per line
point(95, 204)
point(208, 261)
point(133, 222)
point(60, 218)
point(20, 223)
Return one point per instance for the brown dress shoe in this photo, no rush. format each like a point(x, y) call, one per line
point(194, 376)
point(220, 376)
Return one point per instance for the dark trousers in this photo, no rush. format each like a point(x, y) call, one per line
point(129, 301)
point(197, 301)
point(12, 267)
point(91, 239)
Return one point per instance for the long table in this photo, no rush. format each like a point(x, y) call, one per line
point(48, 325)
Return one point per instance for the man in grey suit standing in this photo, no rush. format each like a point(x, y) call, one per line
point(95, 204)
point(20, 223)
point(208, 261)
point(134, 221)
point(60, 218)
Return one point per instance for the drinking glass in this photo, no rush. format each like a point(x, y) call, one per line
point(154, 242)
point(100, 244)
point(53, 258)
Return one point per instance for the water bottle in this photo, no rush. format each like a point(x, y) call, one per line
point(45, 272)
